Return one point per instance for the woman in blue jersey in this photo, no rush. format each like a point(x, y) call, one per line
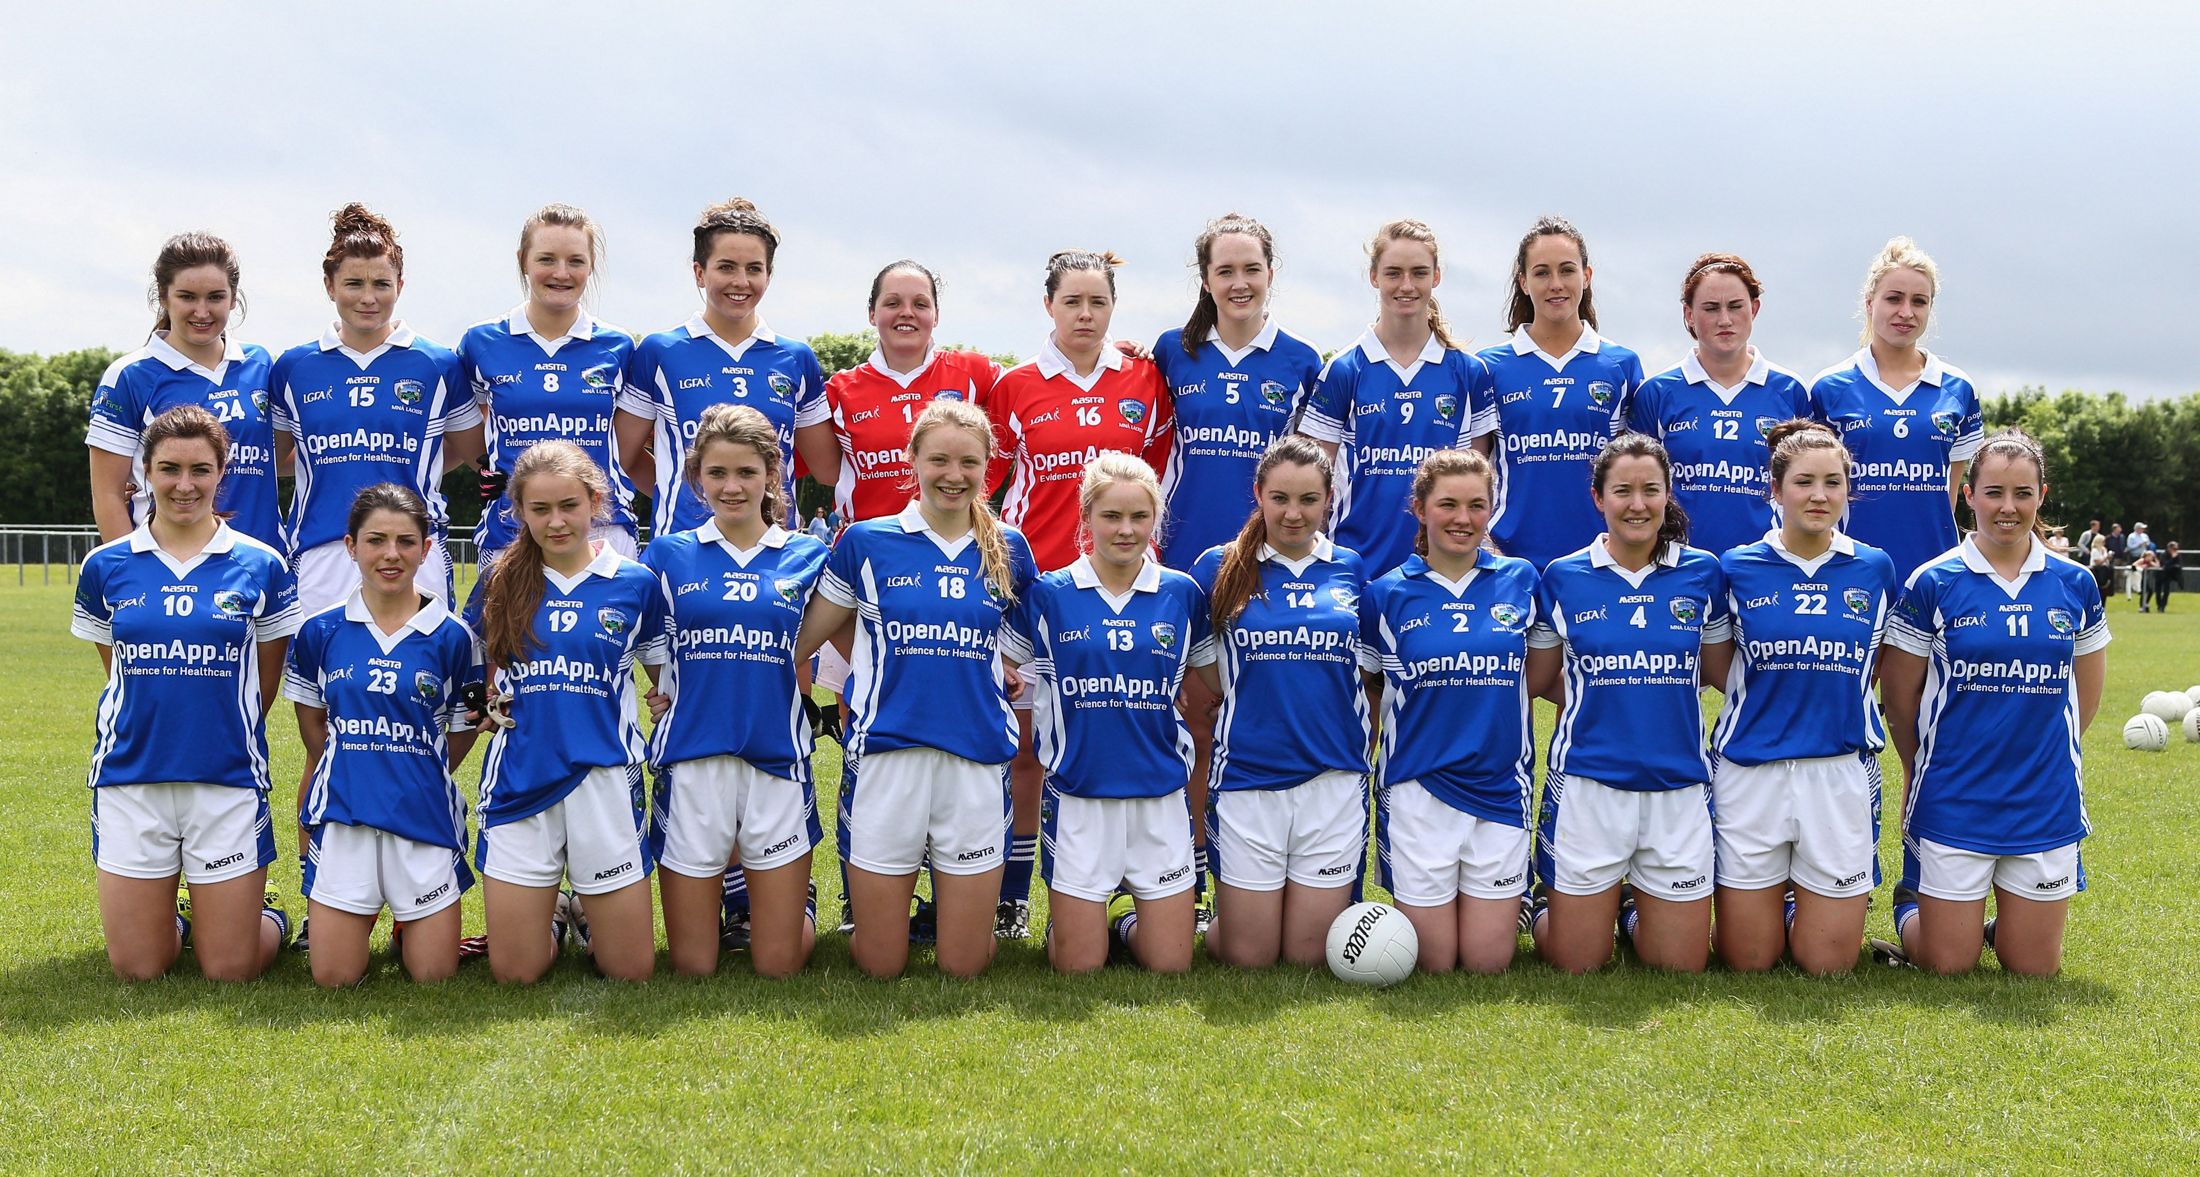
point(1994, 638)
point(190, 359)
point(1639, 620)
point(732, 748)
point(1287, 810)
point(548, 370)
point(1910, 419)
point(368, 402)
point(1561, 392)
point(191, 619)
point(1713, 410)
point(1102, 646)
point(1444, 636)
point(926, 763)
point(1402, 391)
point(563, 621)
point(378, 680)
point(725, 354)
point(1795, 790)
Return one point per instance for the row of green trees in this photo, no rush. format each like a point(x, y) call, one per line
point(2110, 458)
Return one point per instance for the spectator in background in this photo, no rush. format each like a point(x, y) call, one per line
point(2058, 543)
point(2085, 538)
point(2139, 541)
point(2171, 575)
point(820, 527)
point(2136, 545)
point(2101, 562)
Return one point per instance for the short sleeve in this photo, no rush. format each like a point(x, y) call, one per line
point(2092, 617)
point(1371, 630)
point(1329, 406)
point(1019, 627)
point(651, 634)
point(638, 384)
point(1481, 398)
point(1000, 410)
point(279, 615)
point(89, 616)
point(302, 668)
point(1971, 436)
point(1205, 649)
point(281, 413)
point(1544, 634)
point(1915, 621)
point(117, 413)
point(810, 405)
point(837, 583)
point(459, 409)
point(463, 667)
point(1718, 617)
point(1642, 415)
point(1160, 424)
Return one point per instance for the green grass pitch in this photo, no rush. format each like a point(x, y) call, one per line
point(1279, 1071)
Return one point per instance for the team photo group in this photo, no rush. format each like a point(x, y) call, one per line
point(1240, 613)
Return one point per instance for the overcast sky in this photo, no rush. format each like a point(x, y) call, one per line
point(2045, 154)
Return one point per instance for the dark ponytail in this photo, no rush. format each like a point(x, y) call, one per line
point(1204, 312)
point(1239, 577)
point(1673, 529)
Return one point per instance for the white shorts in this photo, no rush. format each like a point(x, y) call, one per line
point(1815, 822)
point(1962, 876)
point(1593, 836)
point(707, 808)
point(1432, 853)
point(362, 870)
point(898, 807)
point(205, 833)
point(1313, 834)
point(594, 837)
point(327, 575)
point(1095, 844)
point(832, 670)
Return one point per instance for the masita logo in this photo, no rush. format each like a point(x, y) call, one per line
point(1600, 393)
point(613, 621)
point(1856, 599)
point(1505, 614)
point(1684, 610)
point(1133, 412)
point(229, 603)
point(2060, 621)
point(408, 392)
point(780, 384)
point(1447, 406)
point(429, 686)
point(1946, 422)
point(1165, 634)
point(1274, 393)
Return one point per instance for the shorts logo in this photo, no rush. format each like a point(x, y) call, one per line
point(431, 896)
point(1684, 610)
point(1338, 869)
point(1946, 422)
point(408, 392)
point(1174, 875)
point(1165, 634)
point(1511, 880)
point(615, 872)
point(780, 384)
point(613, 621)
point(1764, 426)
point(1133, 412)
point(1690, 884)
point(429, 686)
point(1600, 393)
point(782, 844)
point(975, 855)
point(788, 589)
point(1856, 599)
point(1447, 406)
point(1505, 614)
point(1274, 393)
point(2051, 884)
point(229, 603)
point(238, 857)
point(2060, 621)
point(1852, 880)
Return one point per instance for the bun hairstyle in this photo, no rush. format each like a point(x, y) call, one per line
point(1790, 440)
point(515, 580)
point(931, 279)
point(2010, 443)
point(985, 527)
point(1674, 528)
point(1519, 308)
point(1239, 577)
point(188, 251)
point(740, 425)
point(1708, 264)
point(185, 423)
point(359, 233)
point(1110, 468)
point(1899, 253)
point(1063, 261)
point(1204, 312)
point(1415, 231)
point(737, 215)
point(387, 496)
point(566, 216)
point(1446, 464)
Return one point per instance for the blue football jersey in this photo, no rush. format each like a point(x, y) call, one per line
point(1229, 406)
point(356, 420)
point(731, 617)
point(1292, 703)
point(926, 668)
point(182, 702)
point(389, 698)
point(529, 389)
point(1903, 442)
point(155, 378)
point(1716, 437)
point(1553, 414)
point(1633, 643)
point(573, 699)
point(1454, 661)
point(674, 375)
point(1384, 419)
point(1104, 674)
point(1806, 636)
point(1998, 769)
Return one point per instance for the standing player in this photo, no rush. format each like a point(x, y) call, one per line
point(563, 619)
point(1990, 640)
point(1642, 623)
point(1561, 393)
point(1445, 636)
point(378, 680)
point(1911, 420)
point(724, 355)
point(188, 360)
point(1714, 409)
point(1795, 790)
point(732, 749)
point(1403, 391)
point(1103, 644)
point(370, 402)
point(932, 734)
point(191, 619)
point(548, 370)
point(1050, 417)
point(1287, 817)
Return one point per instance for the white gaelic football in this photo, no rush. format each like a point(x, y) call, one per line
point(2170, 706)
point(2192, 726)
point(1373, 944)
point(2147, 733)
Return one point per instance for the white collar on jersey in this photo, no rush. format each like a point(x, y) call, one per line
point(904, 379)
point(774, 536)
point(1692, 369)
point(431, 614)
point(516, 322)
point(1976, 561)
point(1263, 341)
point(606, 564)
point(1840, 543)
point(141, 539)
point(698, 327)
point(1053, 363)
point(912, 522)
point(1590, 343)
point(1417, 564)
point(1324, 550)
point(1601, 557)
point(1085, 576)
point(166, 352)
point(1934, 371)
point(333, 339)
point(1376, 353)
